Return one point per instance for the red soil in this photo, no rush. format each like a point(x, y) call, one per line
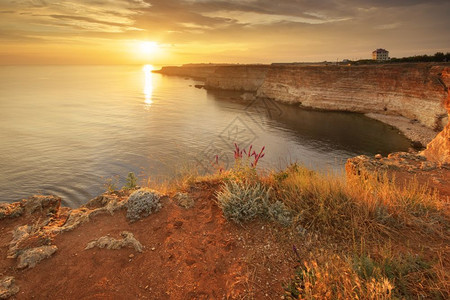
point(189, 254)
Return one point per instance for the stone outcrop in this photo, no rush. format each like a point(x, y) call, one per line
point(8, 287)
point(31, 257)
point(31, 243)
point(438, 150)
point(37, 203)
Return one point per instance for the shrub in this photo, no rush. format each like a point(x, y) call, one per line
point(111, 184)
point(131, 181)
point(142, 203)
point(242, 201)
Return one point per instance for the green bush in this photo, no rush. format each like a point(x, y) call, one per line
point(131, 181)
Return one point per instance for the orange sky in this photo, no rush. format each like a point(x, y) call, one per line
point(248, 31)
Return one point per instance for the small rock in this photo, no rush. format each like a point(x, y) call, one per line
point(7, 287)
point(417, 145)
point(131, 255)
point(153, 248)
point(128, 240)
point(378, 156)
point(31, 257)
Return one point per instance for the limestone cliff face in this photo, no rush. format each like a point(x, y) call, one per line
point(438, 150)
point(238, 78)
point(414, 91)
point(200, 72)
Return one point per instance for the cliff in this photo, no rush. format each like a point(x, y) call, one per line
point(412, 93)
point(438, 150)
point(195, 71)
point(238, 78)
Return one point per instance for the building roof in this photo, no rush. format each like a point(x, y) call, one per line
point(380, 50)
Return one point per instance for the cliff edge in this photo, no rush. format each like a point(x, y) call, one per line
point(406, 96)
point(438, 150)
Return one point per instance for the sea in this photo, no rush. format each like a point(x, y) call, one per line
point(75, 131)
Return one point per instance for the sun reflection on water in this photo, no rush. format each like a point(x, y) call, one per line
point(148, 84)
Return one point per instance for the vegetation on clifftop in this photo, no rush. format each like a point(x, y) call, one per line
point(372, 239)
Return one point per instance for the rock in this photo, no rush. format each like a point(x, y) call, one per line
point(416, 145)
point(199, 86)
point(8, 287)
point(128, 240)
point(19, 234)
point(12, 210)
point(26, 237)
point(378, 156)
point(49, 204)
point(31, 257)
point(438, 150)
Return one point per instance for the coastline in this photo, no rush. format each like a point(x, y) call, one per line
point(407, 96)
point(414, 131)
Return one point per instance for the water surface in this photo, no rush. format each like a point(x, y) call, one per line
point(66, 130)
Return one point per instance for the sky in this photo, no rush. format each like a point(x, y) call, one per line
point(217, 31)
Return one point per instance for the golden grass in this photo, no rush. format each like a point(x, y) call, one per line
point(388, 241)
point(374, 239)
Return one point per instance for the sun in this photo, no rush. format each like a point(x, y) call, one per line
point(148, 47)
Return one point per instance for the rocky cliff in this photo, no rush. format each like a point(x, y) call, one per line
point(438, 150)
point(408, 96)
point(238, 78)
point(195, 71)
point(414, 91)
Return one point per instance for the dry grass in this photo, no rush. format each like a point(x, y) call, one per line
point(373, 238)
point(381, 241)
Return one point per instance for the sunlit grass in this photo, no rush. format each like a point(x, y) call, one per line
point(373, 239)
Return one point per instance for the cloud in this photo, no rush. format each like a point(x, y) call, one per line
point(262, 30)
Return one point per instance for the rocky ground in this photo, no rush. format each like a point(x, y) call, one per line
point(178, 252)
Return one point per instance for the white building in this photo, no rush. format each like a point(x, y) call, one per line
point(380, 54)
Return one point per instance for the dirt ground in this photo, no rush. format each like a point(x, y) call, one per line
point(189, 253)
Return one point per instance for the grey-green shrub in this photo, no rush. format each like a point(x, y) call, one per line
point(241, 201)
point(280, 213)
point(142, 203)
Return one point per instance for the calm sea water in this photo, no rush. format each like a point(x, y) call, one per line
point(67, 130)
